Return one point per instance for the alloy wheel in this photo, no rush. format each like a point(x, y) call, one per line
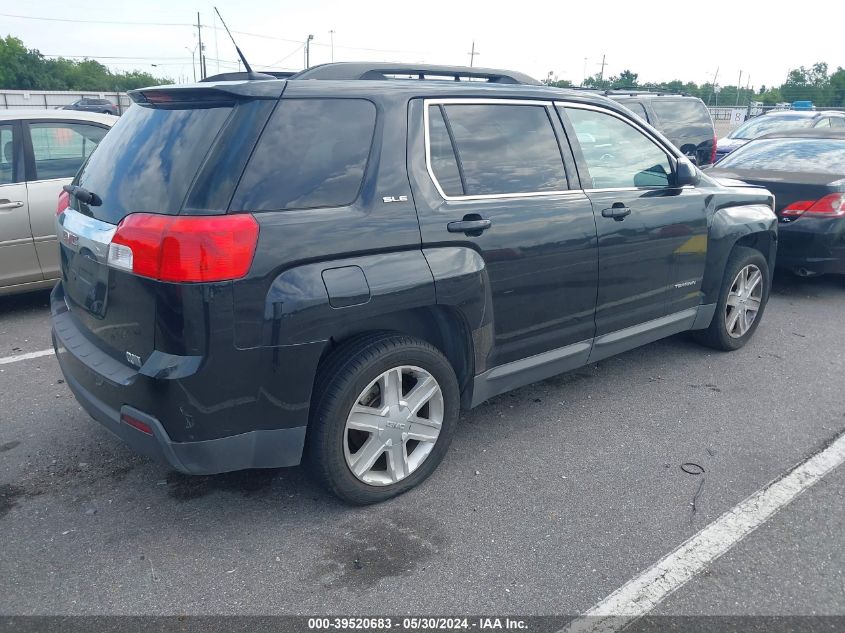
point(393, 425)
point(744, 301)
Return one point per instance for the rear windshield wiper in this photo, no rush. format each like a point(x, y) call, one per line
point(83, 195)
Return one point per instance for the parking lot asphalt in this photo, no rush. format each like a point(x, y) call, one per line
point(550, 498)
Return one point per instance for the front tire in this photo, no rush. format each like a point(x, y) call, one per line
point(742, 300)
point(385, 410)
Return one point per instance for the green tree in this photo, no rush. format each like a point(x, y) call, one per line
point(626, 79)
point(28, 69)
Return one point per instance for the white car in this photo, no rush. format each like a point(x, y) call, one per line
point(40, 151)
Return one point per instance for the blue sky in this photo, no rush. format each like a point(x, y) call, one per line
point(673, 40)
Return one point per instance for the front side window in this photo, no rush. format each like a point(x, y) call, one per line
point(60, 149)
point(617, 154)
point(500, 149)
point(825, 122)
point(312, 154)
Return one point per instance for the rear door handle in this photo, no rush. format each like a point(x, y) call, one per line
point(474, 226)
point(6, 204)
point(618, 212)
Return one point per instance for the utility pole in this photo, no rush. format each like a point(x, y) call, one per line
point(603, 64)
point(331, 35)
point(472, 54)
point(584, 77)
point(308, 51)
point(193, 61)
point(713, 86)
point(738, 87)
point(202, 48)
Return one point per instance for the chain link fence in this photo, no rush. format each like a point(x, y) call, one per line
point(56, 99)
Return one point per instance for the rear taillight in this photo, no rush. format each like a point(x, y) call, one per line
point(713, 151)
point(831, 206)
point(185, 248)
point(63, 203)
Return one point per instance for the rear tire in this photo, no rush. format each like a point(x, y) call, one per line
point(742, 300)
point(395, 437)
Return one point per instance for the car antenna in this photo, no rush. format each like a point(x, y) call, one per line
point(250, 74)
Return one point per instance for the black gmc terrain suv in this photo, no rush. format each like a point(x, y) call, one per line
point(326, 268)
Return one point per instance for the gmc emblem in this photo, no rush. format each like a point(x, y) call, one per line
point(69, 238)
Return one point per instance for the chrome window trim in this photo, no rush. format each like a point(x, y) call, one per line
point(427, 103)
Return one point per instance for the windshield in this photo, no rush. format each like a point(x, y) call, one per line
point(789, 154)
point(765, 124)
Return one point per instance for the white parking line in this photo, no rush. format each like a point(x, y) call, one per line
point(644, 592)
point(27, 356)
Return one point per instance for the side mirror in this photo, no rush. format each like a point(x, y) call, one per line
point(686, 174)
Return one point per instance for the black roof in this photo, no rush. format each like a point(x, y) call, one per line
point(829, 133)
point(385, 70)
point(244, 75)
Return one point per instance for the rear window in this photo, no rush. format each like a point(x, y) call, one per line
point(682, 117)
point(148, 160)
point(766, 124)
point(789, 154)
point(312, 154)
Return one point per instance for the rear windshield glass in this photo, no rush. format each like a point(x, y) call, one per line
point(789, 154)
point(149, 159)
point(312, 154)
point(682, 117)
point(765, 124)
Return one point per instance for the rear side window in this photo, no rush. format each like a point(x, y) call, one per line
point(312, 154)
point(502, 149)
point(60, 149)
point(637, 108)
point(7, 155)
point(444, 163)
point(682, 117)
point(149, 159)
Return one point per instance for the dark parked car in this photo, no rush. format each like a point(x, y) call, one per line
point(90, 104)
point(328, 267)
point(683, 119)
point(778, 121)
point(805, 170)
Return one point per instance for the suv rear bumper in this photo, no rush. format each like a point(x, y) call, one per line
point(102, 386)
point(256, 449)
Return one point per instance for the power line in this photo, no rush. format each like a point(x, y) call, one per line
point(77, 21)
point(214, 27)
point(109, 57)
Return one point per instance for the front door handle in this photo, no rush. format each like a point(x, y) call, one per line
point(472, 224)
point(14, 204)
point(618, 212)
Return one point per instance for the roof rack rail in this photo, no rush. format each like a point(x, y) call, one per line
point(631, 92)
point(386, 70)
point(243, 75)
